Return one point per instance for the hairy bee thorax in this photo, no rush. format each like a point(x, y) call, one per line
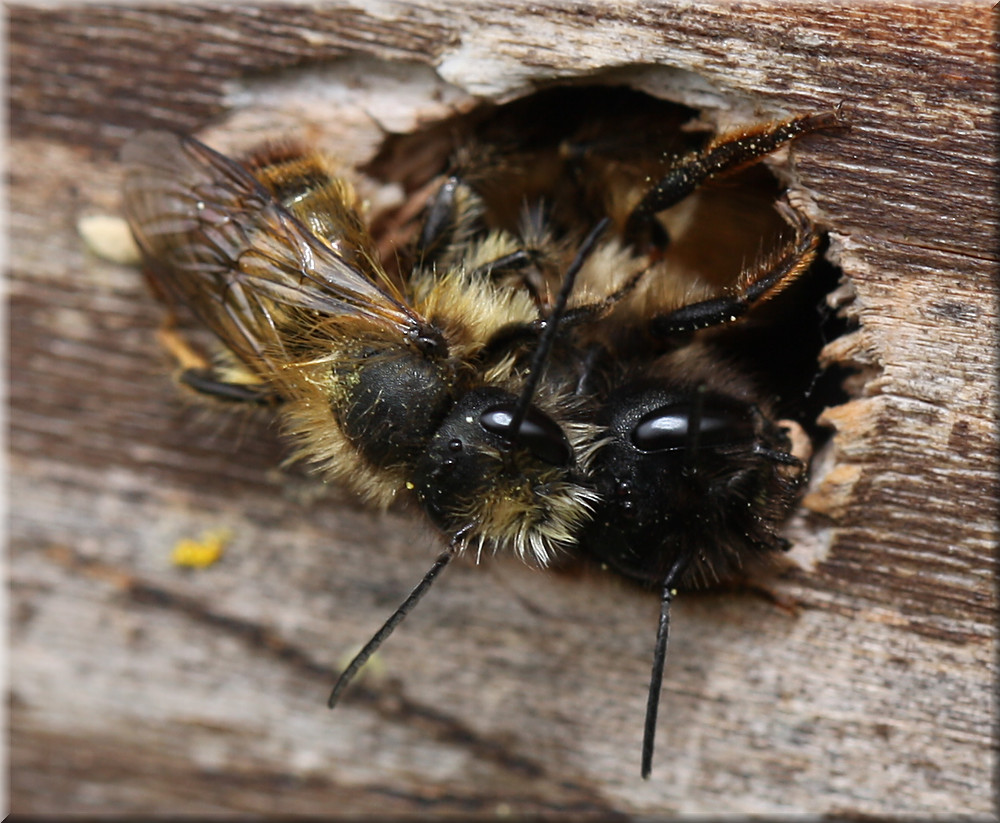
point(362, 413)
point(469, 310)
point(364, 407)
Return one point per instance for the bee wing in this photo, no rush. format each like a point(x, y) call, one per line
point(218, 241)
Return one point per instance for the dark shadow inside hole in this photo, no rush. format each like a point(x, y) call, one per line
point(571, 146)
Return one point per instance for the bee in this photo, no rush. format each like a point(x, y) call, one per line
point(537, 386)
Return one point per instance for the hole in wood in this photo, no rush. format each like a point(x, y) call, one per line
point(587, 139)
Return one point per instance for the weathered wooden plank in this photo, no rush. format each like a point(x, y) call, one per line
point(137, 686)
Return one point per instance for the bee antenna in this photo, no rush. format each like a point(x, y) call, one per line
point(659, 659)
point(552, 325)
point(395, 619)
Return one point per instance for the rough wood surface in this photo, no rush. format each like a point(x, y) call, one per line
point(138, 687)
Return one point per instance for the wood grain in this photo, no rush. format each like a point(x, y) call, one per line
point(136, 686)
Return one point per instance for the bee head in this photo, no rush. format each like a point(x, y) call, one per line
point(685, 469)
point(506, 487)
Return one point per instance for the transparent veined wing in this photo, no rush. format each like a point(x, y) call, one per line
point(216, 239)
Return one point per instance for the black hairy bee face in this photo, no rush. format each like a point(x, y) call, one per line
point(699, 469)
point(547, 374)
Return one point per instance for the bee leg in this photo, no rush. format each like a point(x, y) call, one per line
point(523, 334)
point(205, 381)
point(453, 216)
point(726, 153)
point(513, 262)
point(591, 311)
point(588, 368)
point(524, 267)
point(198, 374)
point(453, 220)
point(756, 285)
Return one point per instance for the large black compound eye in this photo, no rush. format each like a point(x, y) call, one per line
point(670, 427)
point(538, 433)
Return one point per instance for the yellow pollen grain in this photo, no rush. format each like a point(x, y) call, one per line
point(201, 553)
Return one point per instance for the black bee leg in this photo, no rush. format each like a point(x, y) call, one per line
point(521, 264)
point(758, 283)
point(585, 384)
point(195, 372)
point(206, 382)
point(513, 262)
point(453, 216)
point(523, 334)
point(592, 311)
point(454, 221)
point(726, 153)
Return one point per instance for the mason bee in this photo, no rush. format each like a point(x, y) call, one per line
point(537, 383)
